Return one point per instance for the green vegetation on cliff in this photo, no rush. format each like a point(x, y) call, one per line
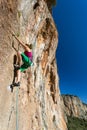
point(76, 124)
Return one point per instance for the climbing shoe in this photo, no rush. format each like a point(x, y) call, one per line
point(17, 84)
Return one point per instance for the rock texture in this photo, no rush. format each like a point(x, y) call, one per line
point(73, 106)
point(38, 99)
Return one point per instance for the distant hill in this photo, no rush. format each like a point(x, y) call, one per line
point(75, 112)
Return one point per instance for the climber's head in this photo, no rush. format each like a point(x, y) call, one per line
point(29, 45)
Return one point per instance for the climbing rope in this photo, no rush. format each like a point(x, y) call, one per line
point(17, 108)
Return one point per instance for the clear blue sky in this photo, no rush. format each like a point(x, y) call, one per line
point(70, 17)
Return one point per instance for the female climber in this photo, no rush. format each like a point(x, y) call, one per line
point(24, 59)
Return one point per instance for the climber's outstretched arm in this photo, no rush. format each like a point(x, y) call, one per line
point(23, 45)
point(19, 41)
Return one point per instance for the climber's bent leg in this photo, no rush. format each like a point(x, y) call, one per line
point(19, 58)
point(18, 75)
point(17, 83)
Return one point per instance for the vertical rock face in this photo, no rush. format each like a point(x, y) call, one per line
point(39, 105)
point(74, 107)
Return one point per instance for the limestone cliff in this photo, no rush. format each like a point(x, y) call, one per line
point(39, 105)
point(74, 107)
